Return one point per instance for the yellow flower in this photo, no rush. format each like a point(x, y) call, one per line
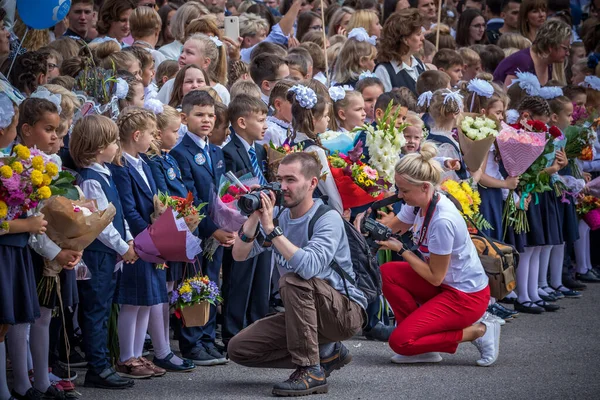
point(6, 171)
point(368, 183)
point(37, 178)
point(3, 209)
point(44, 192)
point(360, 179)
point(17, 167)
point(185, 288)
point(22, 152)
point(46, 180)
point(37, 163)
point(51, 169)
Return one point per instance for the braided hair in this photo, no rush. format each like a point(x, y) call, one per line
point(130, 120)
point(27, 70)
point(535, 105)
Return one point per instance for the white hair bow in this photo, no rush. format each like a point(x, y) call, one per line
point(337, 93)
point(425, 99)
point(361, 35)
point(43, 93)
point(456, 97)
point(528, 82)
point(591, 82)
point(550, 92)
point(216, 41)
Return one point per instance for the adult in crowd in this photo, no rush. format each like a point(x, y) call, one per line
point(166, 12)
point(318, 313)
point(532, 14)
point(503, 18)
point(145, 30)
point(113, 20)
point(439, 297)
point(183, 16)
point(391, 6)
point(551, 45)
point(471, 28)
point(401, 40)
point(428, 11)
point(80, 18)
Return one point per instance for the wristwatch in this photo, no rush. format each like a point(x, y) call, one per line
point(401, 251)
point(276, 232)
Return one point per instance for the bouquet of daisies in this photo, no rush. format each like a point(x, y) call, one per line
point(476, 134)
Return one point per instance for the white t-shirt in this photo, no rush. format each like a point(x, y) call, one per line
point(164, 94)
point(448, 234)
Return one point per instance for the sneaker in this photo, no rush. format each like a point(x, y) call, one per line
point(302, 382)
point(588, 277)
point(339, 358)
point(573, 283)
point(214, 351)
point(379, 332)
point(568, 293)
point(496, 318)
point(506, 310)
point(76, 359)
point(107, 379)
point(65, 386)
point(489, 344)
point(419, 358)
point(134, 368)
point(199, 356)
point(63, 373)
point(158, 371)
point(558, 294)
point(498, 312)
point(31, 394)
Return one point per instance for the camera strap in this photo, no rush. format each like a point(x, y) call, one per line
point(428, 215)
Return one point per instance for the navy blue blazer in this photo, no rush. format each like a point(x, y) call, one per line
point(167, 175)
point(237, 158)
point(198, 176)
point(136, 198)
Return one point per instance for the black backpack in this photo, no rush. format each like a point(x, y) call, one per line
point(368, 277)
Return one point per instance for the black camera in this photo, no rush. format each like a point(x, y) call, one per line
point(375, 230)
point(250, 202)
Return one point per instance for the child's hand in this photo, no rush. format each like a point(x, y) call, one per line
point(453, 165)
point(511, 182)
point(587, 177)
point(346, 214)
point(526, 204)
point(37, 225)
point(130, 257)
point(225, 238)
point(476, 175)
point(293, 42)
point(68, 258)
point(561, 159)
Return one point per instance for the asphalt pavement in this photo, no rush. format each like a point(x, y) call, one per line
point(550, 356)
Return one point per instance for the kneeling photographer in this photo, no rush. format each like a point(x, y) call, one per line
point(318, 313)
point(440, 291)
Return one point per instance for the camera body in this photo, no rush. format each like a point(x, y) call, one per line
point(250, 202)
point(375, 231)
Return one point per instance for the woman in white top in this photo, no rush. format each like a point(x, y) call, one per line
point(438, 301)
point(183, 16)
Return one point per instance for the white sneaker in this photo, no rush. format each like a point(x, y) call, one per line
point(419, 358)
point(489, 344)
point(493, 317)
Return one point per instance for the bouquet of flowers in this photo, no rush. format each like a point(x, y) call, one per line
point(274, 156)
point(588, 208)
point(184, 207)
point(593, 187)
point(25, 179)
point(192, 299)
point(520, 148)
point(223, 206)
point(72, 225)
point(358, 183)
point(469, 200)
point(579, 144)
point(476, 134)
point(341, 142)
point(385, 143)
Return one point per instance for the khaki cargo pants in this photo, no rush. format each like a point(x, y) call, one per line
point(315, 313)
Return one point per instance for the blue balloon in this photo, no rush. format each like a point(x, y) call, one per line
point(42, 14)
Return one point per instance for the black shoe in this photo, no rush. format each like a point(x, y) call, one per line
point(214, 351)
point(339, 358)
point(199, 356)
point(379, 332)
point(166, 363)
point(63, 372)
point(528, 307)
point(588, 277)
point(573, 284)
point(31, 394)
point(107, 379)
point(548, 297)
point(547, 306)
point(508, 300)
point(76, 360)
point(302, 382)
point(53, 394)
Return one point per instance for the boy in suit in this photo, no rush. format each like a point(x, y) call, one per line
point(202, 165)
point(246, 284)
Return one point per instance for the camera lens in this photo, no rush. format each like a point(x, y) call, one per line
point(249, 203)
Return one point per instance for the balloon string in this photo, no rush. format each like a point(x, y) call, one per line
point(17, 53)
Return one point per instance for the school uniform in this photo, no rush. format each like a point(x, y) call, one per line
point(246, 284)
point(97, 293)
point(517, 240)
point(492, 199)
point(141, 283)
point(202, 165)
point(448, 147)
point(394, 75)
point(167, 176)
point(277, 131)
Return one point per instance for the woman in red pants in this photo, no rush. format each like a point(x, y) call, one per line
point(438, 301)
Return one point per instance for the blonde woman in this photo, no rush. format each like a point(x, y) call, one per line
point(367, 19)
point(339, 21)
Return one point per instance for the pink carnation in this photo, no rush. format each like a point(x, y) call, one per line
point(12, 184)
point(15, 199)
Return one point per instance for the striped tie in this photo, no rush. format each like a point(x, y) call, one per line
point(254, 161)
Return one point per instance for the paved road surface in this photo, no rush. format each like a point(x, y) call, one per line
point(552, 356)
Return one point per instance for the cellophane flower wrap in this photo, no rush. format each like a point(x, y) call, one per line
point(356, 181)
point(274, 156)
point(341, 142)
point(476, 134)
point(588, 208)
point(469, 200)
point(579, 145)
point(385, 143)
point(193, 291)
point(223, 206)
point(521, 149)
point(25, 179)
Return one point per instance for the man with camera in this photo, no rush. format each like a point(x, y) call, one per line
point(318, 314)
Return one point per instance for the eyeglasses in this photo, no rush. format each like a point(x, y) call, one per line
point(52, 66)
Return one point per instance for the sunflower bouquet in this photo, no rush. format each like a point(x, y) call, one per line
point(469, 200)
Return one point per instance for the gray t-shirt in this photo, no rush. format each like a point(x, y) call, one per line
point(313, 259)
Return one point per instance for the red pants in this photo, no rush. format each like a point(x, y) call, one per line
point(429, 318)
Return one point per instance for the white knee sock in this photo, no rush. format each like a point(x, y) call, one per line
point(126, 329)
point(17, 349)
point(582, 249)
point(141, 327)
point(523, 275)
point(4, 392)
point(156, 328)
point(39, 342)
point(534, 272)
point(544, 262)
point(557, 258)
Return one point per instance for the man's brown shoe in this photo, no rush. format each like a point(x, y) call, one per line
point(302, 382)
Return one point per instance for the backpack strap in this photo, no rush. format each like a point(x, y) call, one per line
point(322, 210)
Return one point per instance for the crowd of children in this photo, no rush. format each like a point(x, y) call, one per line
point(191, 104)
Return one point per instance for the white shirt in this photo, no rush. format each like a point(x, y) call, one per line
point(92, 190)
point(448, 234)
point(264, 98)
point(327, 187)
point(138, 164)
point(198, 140)
point(276, 132)
point(446, 150)
point(321, 77)
point(171, 51)
point(164, 94)
point(383, 75)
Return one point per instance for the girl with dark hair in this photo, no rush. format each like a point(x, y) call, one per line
point(113, 20)
point(471, 28)
point(29, 71)
point(308, 21)
point(166, 12)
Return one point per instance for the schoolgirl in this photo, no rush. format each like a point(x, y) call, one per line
point(189, 77)
point(348, 108)
point(356, 56)
point(370, 87)
point(130, 91)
